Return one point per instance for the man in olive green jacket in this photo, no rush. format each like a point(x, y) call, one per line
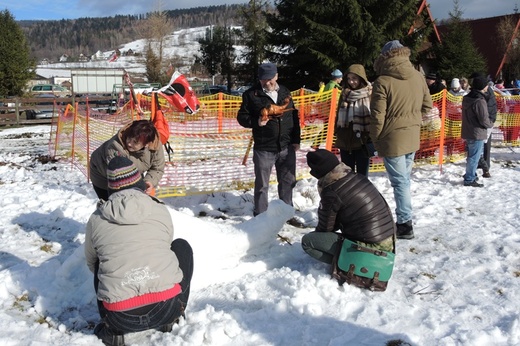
point(399, 99)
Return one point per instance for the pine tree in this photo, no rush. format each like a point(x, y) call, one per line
point(217, 52)
point(254, 37)
point(313, 38)
point(16, 67)
point(457, 55)
point(153, 67)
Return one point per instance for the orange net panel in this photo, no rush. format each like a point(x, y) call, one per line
point(507, 125)
point(212, 152)
point(454, 147)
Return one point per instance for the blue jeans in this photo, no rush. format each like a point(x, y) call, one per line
point(158, 314)
point(474, 148)
point(399, 170)
point(285, 164)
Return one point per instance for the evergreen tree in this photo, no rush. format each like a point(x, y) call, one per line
point(153, 67)
point(312, 38)
point(16, 67)
point(217, 52)
point(254, 37)
point(457, 55)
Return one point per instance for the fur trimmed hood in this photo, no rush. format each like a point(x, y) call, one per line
point(395, 63)
point(340, 171)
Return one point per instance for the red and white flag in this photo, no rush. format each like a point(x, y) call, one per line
point(180, 94)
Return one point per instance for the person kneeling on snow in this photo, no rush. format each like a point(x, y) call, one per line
point(349, 203)
point(141, 277)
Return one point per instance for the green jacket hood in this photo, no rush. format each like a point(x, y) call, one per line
point(396, 63)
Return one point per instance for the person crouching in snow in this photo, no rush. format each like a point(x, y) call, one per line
point(139, 141)
point(141, 277)
point(350, 204)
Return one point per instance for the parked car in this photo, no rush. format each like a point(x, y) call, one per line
point(7, 107)
point(54, 89)
point(215, 89)
point(31, 114)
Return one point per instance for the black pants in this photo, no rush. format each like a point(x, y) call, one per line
point(101, 193)
point(356, 160)
point(158, 314)
point(485, 159)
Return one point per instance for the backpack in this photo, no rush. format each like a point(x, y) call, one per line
point(161, 125)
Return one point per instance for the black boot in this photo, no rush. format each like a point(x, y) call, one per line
point(108, 337)
point(404, 230)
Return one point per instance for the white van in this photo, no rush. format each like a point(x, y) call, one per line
point(54, 89)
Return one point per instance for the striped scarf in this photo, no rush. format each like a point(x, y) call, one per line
point(355, 108)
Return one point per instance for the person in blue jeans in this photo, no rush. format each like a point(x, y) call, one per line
point(475, 122)
point(141, 274)
point(400, 97)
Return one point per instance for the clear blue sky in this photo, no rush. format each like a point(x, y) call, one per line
point(68, 9)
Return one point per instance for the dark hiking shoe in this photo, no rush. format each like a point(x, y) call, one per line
point(474, 183)
point(486, 174)
point(404, 230)
point(108, 337)
point(167, 328)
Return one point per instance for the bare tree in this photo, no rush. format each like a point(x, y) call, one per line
point(154, 30)
point(508, 45)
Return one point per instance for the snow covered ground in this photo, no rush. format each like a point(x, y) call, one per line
point(181, 46)
point(456, 283)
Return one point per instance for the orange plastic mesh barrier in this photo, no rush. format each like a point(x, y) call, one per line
point(212, 152)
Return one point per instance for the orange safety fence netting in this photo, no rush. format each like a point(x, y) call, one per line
point(210, 148)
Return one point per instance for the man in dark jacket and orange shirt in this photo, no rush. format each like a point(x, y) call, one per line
point(349, 203)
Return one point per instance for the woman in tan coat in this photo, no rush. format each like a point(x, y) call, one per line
point(138, 141)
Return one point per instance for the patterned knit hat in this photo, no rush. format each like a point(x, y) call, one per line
point(123, 174)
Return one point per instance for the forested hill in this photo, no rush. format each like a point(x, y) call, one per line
point(51, 39)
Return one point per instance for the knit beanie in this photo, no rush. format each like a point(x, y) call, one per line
point(321, 162)
point(479, 83)
point(395, 44)
point(431, 76)
point(455, 83)
point(123, 174)
point(336, 74)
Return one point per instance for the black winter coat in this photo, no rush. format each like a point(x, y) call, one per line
point(491, 101)
point(279, 132)
point(352, 204)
